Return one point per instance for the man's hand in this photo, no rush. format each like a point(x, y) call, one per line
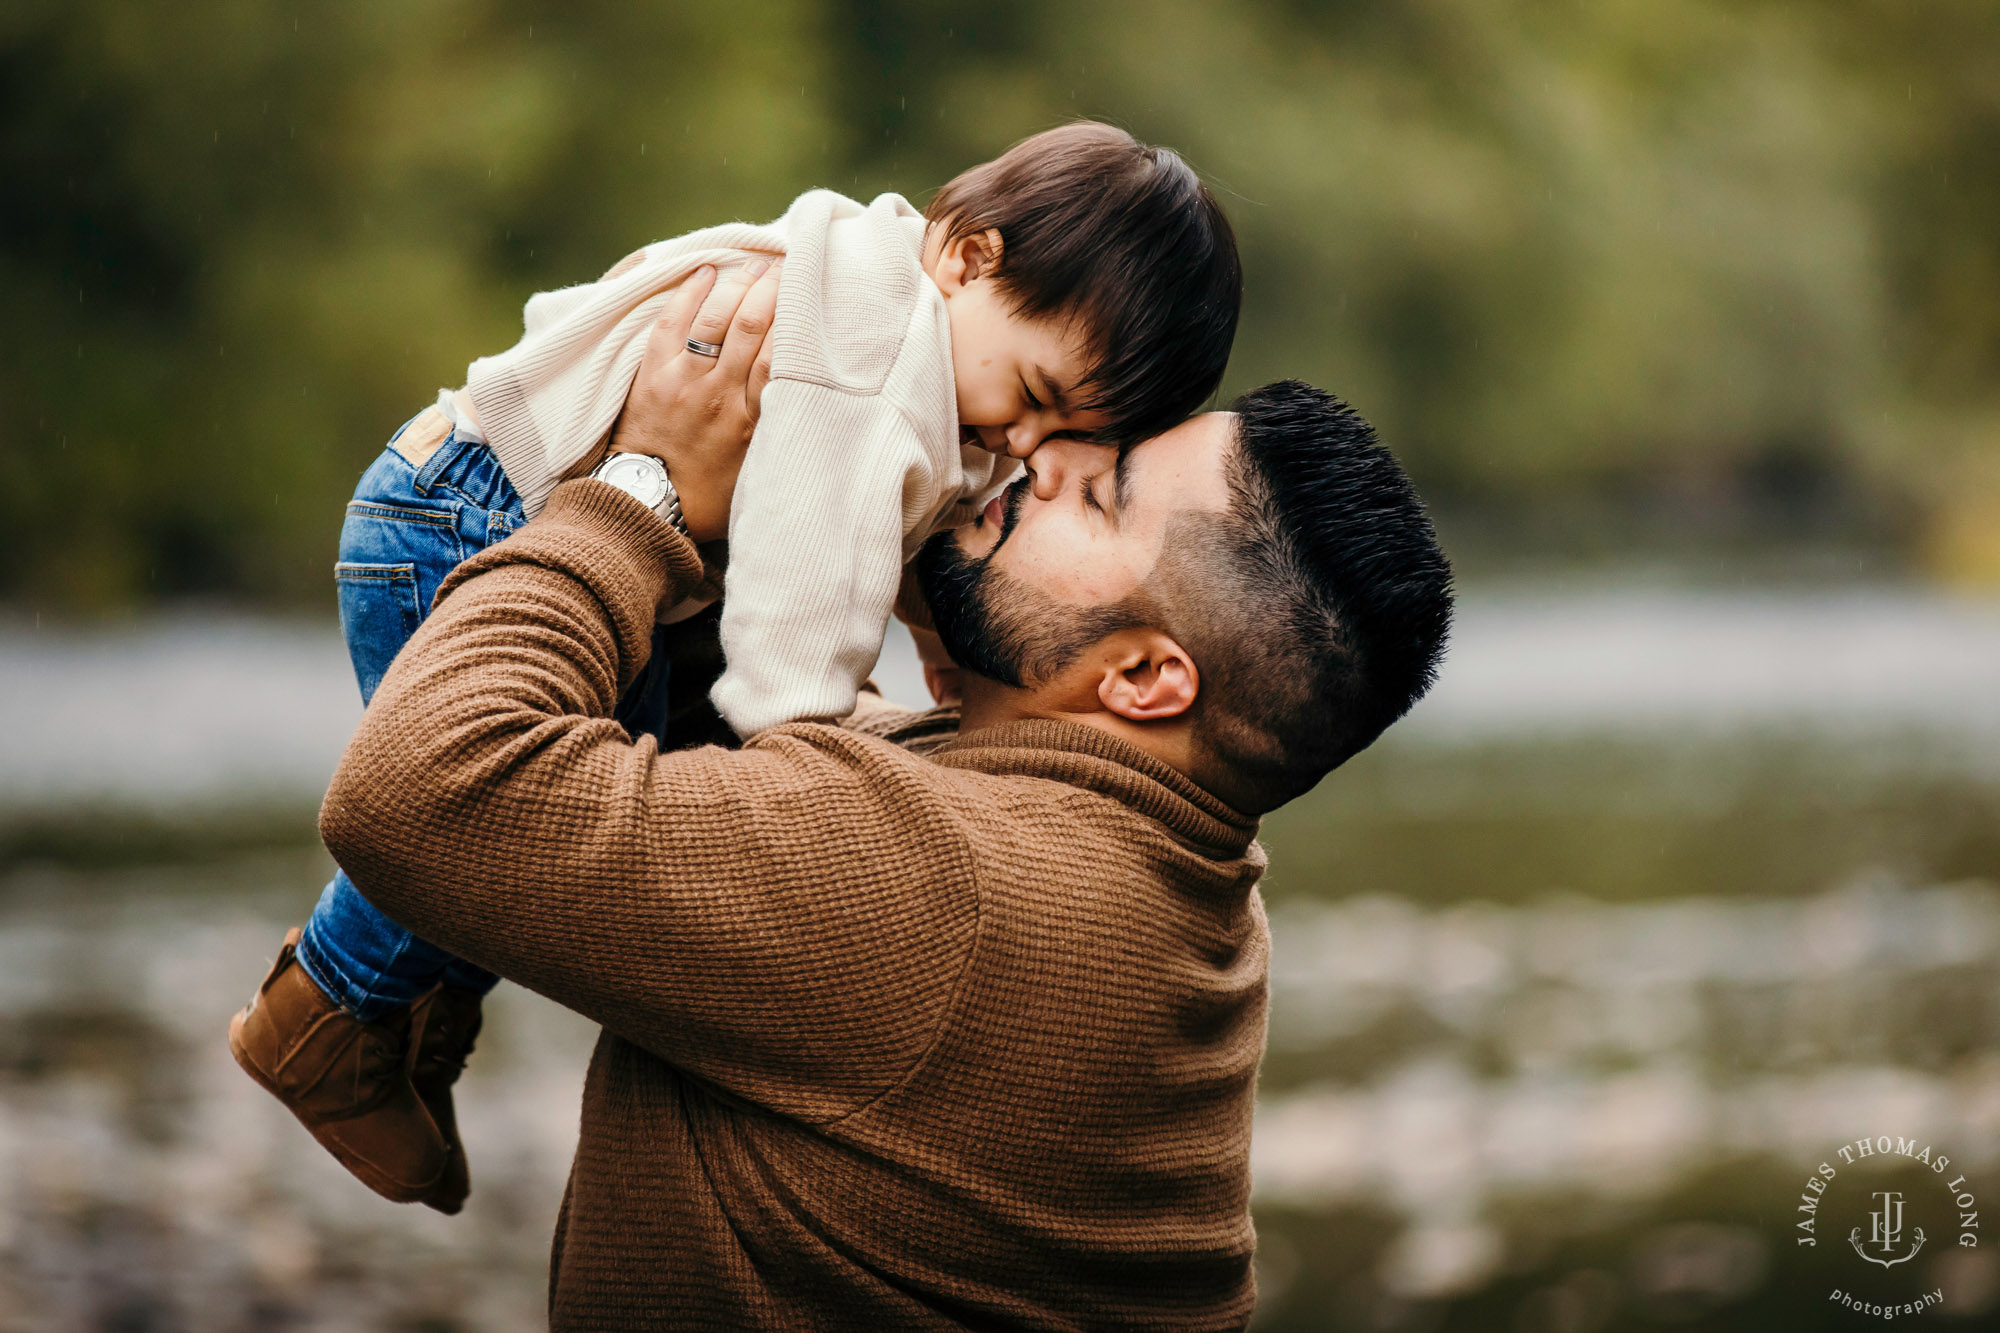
point(695, 413)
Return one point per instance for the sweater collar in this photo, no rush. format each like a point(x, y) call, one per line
point(1095, 760)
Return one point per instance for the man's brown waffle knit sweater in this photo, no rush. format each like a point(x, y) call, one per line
point(890, 1041)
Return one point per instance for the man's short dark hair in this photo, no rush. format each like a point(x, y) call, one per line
point(1122, 240)
point(1315, 606)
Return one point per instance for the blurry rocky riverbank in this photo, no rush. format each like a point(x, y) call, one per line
point(1663, 896)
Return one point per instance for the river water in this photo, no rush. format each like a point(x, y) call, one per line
point(1661, 898)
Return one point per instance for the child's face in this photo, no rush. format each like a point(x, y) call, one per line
point(1016, 378)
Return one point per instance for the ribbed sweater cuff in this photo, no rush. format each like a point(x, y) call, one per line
point(632, 561)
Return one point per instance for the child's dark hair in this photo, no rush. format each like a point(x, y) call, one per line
point(1123, 240)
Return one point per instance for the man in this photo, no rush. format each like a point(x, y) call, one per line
point(898, 1039)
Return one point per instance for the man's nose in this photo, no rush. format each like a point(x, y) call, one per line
point(1049, 464)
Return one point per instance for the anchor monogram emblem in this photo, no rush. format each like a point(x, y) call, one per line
point(1885, 1231)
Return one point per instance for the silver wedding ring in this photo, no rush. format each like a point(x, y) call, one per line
point(700, 348)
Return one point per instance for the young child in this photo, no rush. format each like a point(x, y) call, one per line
point(1081, 282)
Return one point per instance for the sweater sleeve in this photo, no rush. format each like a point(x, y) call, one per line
point(832, 485)
point(788, 921)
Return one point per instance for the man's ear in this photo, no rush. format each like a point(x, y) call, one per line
point(967, 259)
point(1148, 677)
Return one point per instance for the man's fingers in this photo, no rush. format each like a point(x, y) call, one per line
point(670, 334)
point(711, 324)
point(745, 339)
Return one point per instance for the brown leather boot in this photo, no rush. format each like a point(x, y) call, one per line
point(449, 1019)
point(347, 1081)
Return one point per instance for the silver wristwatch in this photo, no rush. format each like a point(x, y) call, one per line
point(644, 478)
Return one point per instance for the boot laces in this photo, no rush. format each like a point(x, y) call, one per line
point(380, 1055)
point(384, 1054)
point(444, 1055)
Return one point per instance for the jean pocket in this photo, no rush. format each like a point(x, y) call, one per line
point(379, 611)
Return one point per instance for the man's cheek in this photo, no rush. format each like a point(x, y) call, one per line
point(1073, 575)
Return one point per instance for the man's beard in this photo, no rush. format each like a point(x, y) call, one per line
point(996, 626)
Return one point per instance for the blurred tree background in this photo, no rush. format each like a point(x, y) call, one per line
point(1613, 277)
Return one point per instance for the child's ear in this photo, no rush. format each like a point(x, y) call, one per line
point(968, 259)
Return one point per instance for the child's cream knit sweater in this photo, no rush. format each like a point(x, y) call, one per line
point(855, 461)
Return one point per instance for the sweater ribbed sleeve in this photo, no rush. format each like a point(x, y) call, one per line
point(816, 552)
point(750, 916)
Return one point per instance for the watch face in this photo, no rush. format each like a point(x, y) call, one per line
point(639, 475)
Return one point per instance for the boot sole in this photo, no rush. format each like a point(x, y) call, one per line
point(359, 1167)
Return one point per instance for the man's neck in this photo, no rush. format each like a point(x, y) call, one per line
point(988, 703)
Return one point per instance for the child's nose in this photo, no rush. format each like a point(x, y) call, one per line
point(1023, 436)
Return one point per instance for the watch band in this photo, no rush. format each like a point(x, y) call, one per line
point(645, 479)
point(670, 508)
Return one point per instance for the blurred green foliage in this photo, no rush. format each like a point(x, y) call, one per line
point(1729, 261)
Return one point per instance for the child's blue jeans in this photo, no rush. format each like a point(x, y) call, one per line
point(407, 528)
